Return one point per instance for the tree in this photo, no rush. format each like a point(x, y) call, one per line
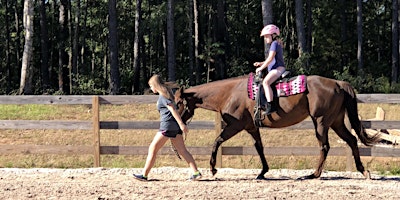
point(359, 35)
point(267, 13)
point(136, 47)
point(220, 38)
point(395, 41)
point(75, 44)
point(301, 35)
point(343, 31)
point(113, 45)
point(170, 41)
point(196, 41)
point(309, 25)
point(8, 48)
point(26, 71)
point(191, 4)
point(44, 41)
point(63, 71)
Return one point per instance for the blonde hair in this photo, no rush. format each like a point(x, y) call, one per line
point(161, 87)
point(277, 38)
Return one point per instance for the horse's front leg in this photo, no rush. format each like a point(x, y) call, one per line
point(213, 161)
point(260, 150)
point(225, 135)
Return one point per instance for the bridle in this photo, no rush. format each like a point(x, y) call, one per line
point(185, 109)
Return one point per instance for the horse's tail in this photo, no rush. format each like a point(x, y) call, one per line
point(350, 101)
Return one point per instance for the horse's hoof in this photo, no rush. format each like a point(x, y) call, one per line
point(214, 171)
point(312, 176)
point(367, 175)
point(260, 177)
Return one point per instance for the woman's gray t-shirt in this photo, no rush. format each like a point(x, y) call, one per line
point(167, 120)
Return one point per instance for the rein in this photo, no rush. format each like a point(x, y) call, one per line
point(187, 121)
point(184, 134)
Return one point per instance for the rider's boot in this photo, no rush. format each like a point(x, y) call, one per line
point(270, 108)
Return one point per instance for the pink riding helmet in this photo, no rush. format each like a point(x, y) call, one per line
point(270, 29)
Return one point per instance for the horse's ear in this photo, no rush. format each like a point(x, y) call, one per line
point(180, 91)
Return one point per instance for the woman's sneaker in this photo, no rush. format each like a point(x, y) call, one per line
point(196, 176)
point(140, 177)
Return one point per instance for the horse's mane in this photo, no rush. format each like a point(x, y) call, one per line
point(219, 82)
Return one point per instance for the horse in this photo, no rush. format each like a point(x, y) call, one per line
point(326, 101)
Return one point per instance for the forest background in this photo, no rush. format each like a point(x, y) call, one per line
point(113, 47)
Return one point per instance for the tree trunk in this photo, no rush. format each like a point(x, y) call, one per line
point(359, 35)
point(44, 40)
point(17, 44)
point(190, 42)
point(267, 13)
point(309, 25)
point(196, 41)
point(170, 41)
point(136, 47)
point(75, 43)
point(395, 41)
point(343, 31)
point(301, 36)
point(26, 71)
point(8, 49)
point(220, 35)
point(83, 39)
point(63, 85)
point(113, 45)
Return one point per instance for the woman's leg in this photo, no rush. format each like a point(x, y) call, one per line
point(181, 148)
point(158, 142)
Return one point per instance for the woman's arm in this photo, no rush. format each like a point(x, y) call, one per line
point(178, 118)
point(271, 56)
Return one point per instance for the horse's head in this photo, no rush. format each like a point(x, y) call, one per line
point(186, 103)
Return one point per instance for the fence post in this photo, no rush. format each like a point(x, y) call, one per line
point(217, 133)
point(96, 130)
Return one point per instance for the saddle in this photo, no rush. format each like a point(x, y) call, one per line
point(284, 86)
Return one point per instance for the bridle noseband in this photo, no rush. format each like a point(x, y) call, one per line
point(185, 109)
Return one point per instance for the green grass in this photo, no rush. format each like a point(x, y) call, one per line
point(270, 138)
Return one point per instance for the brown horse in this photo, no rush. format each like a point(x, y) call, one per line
point(326, 102)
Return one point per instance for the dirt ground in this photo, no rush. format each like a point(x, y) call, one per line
point(171, 183)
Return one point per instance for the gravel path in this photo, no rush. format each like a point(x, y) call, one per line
point(170, 183)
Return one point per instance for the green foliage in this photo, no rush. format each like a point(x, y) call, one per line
point(87, 86)
point(300, 65)
point(363, 83)
point(332, 47)
point(366, 82)
point(237, 67)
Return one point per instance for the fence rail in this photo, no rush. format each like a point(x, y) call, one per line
point(96, 125)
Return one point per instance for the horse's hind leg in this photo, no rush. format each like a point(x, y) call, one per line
point(260, 150)
point(351, 140)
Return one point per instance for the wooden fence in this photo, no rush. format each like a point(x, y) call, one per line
point(96, 125)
